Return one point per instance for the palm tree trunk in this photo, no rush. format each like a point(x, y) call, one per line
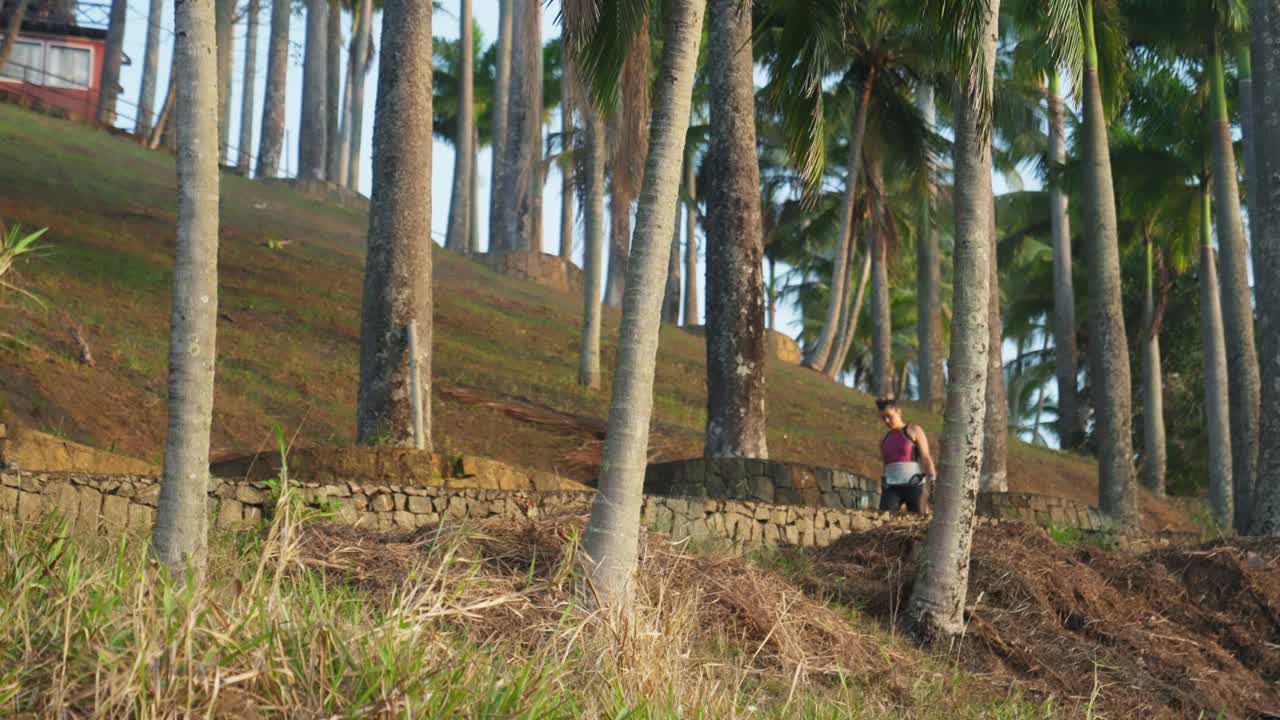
point(459, 231)
point(473, 236)
point(333, 90)
point(772, 288)
point(881, 316)
point(1244, 73)
point(834, 360)
point(619, 238)
point(1216, 402)
point(735, 249)
point(612, 534)
point(849, 327)
point(150, 65)
point(1265, 46)
point(995, 434)
point(15, 26)
point(1154, 454)
point(397, 279)
point(225, 19)
point(501, 109)
point(1070, 431)
point(524, 139)
point(246, 98)
point(1237, 304)
point(1108, 346)
point(271, 139)
point(817, 358)
point(362, 63)
point(929, 271)
point(162, 125)
point(180, 536)
point(691, 314)
point(592, 248)
point(112, 58)
point(313, 131)
point(936, 608)
point(566, 163)
point(671, 296)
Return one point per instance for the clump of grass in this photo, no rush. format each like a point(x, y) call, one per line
point(14, 244)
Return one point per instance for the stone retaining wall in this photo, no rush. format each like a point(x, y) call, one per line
point(1042, 510)
point(765, 481)
point(780, 346)
point(550, 271)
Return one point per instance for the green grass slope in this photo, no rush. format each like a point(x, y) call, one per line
point(505, 351)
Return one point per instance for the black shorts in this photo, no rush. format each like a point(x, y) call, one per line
point(893, 497)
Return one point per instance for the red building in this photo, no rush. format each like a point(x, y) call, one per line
point(58, 58)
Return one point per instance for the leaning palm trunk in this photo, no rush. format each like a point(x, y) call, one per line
point(592, 247)
point(612, 535)
point(246, 99)
point(1216, 403)
point(1154, 452)
point(691, 314)
point(1237, 304)
point(817, 358)
point(313, 131)
point(225, 26)
point(834, 362)
point(1108, 345)
point(849, 327)
point(501, 108)
point(882, 374)
point(735, 249)
point(459, 230)
point(995, 434)
point(180, 536)
point(271, 139)
point(361, 62)
point(1070, 431)
point(671, 295)
point(936, 607)
point(162, 127)
point(150, 66)
point(333, 91)
point(1265, 46)
point(929, 283)
point(397, 278)
point(15, 26)
point(112, 59)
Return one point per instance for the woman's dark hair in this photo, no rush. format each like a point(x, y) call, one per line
point(886, 402)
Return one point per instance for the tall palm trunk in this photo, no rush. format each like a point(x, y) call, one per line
point(849, 327)
point(566, 163)
point(1154, 452)
point(628, 152)
point(735, 249)
point(523, 171)
point(473, 237)
point(671, 296)
point(246, 98)
point(1108, 346)
point(834, 359)
point(929, 283)
point(150, 65)
point(501, 108)
point(271, 139)
point(592, 247)
point(397, 276)
point(1265, 46)
point(691, 314)
point(995, 434)
point(1216, 394)
point(817, 357)
point(225, 25)
point(619, 238)
point(459, 230)
point(1244, 73)
point(162, 126)
point(333, 90)
point(313, 132)
point(112, 58)
point(1070, 431)
point(881, 313)
point(936, 607)
point(612, 534)
point(180, 535)
point(1237, 303)
point(361, 63)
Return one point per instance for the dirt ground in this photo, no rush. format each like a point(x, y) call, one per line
point(1176, 633)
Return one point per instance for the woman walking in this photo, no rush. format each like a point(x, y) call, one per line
point(908, 464)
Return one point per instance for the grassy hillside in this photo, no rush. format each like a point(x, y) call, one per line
point(505, 351)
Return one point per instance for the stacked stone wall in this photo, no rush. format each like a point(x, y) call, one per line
point(764, 481)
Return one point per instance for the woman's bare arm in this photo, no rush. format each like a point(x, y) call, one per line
point(926, 458)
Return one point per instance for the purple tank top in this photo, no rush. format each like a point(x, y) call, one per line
point(897, 447)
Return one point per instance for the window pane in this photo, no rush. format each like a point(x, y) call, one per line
point(68, 66)
point(25, 62)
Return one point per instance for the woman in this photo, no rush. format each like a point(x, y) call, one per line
point(908, 465)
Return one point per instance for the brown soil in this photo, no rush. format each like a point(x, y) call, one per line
point(1170, 634)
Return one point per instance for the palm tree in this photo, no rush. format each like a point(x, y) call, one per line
point(936, 607)
point(180, 535)
point(929, 273)
point(333, 90)
point(246, 99)
point(112, 58)
point(1215, 376)
point(882, 373)
point(359, 62)
point(593, 245)
point(612, 534)
point(628, 151)
point(995, 434)
point(519, 196)
point(691, 314)
point(150, 65)
point(397, 281)
point(313, 130)
point(501, 108)
point(459, 232)
point(1070, 429)
point(271, 139)
point(566, 162)
point(735, 250)
point(225, 19)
